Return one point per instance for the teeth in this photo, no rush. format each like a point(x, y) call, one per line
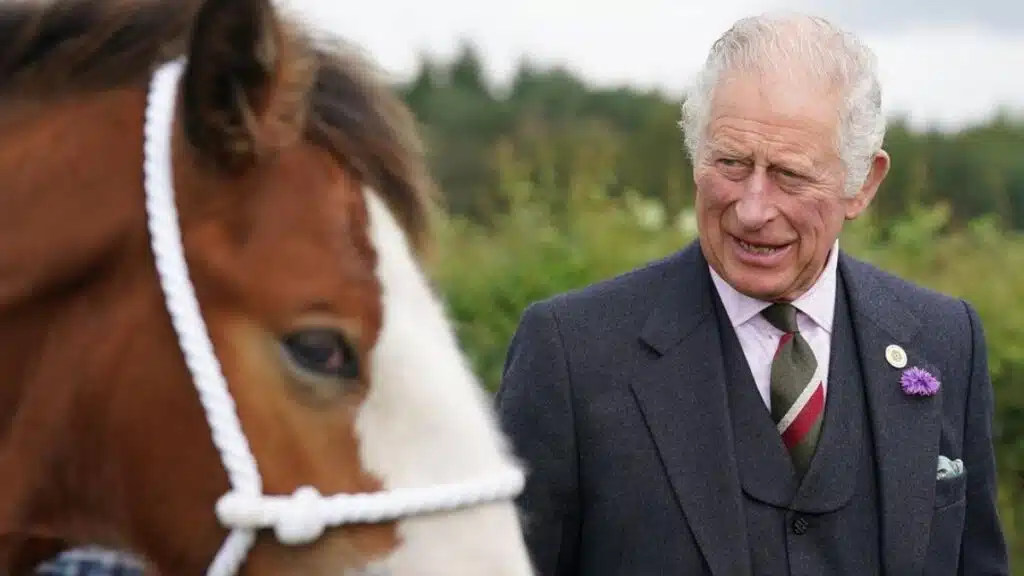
point(758, 249)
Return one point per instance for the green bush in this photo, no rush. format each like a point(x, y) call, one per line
point(537, 247)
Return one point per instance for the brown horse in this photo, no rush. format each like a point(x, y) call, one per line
point(303, 204)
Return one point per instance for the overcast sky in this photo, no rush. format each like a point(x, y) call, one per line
point(944, 62)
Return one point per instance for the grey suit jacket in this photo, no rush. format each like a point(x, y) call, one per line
point(614, 397)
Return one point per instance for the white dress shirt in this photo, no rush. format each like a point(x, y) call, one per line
point(759, 339)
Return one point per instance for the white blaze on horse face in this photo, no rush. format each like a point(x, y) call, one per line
point(426, 421)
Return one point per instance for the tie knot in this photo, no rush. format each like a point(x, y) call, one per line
point(782, 316)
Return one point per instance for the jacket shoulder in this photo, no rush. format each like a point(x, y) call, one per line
point(924, 302)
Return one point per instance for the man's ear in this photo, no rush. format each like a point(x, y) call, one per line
point(855, 205)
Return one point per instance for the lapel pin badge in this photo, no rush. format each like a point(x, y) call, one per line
point(895, 355)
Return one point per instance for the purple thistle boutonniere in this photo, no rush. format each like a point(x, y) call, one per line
point(918, 382)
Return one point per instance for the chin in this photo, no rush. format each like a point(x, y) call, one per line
point(756, 282)
point(760, 292)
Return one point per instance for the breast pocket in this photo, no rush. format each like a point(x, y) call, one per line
point(950, 491)
point(947, 526)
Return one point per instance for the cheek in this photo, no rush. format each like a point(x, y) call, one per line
point(715, 193)
point(809, 215)
point(829, 216)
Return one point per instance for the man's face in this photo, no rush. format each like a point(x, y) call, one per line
point(769, 199)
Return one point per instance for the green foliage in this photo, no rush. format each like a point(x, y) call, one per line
point(539, 247)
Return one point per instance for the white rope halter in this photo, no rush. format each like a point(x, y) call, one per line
point(303, 516)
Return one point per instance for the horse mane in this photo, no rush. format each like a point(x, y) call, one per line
point(58, 48)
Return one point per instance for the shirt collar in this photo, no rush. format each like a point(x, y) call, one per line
point(818, 303)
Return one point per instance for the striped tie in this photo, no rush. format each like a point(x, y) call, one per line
point(798, 402)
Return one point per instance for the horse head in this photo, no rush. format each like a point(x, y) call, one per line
point(348, 434)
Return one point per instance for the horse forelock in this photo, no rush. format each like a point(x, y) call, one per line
point(59, 49)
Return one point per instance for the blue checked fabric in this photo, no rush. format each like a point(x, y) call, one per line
point(91, 562)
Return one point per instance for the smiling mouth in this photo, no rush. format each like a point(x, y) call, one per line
point(763, 249)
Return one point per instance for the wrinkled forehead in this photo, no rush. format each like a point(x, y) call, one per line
point(778, 99)
point(756, 112)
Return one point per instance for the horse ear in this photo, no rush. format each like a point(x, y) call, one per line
point(234, 60)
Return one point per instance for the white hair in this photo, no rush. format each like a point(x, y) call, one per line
point(810, 47)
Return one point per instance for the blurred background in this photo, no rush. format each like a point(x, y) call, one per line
point(551, 129)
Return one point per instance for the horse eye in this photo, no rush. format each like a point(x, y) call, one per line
point(323, 352)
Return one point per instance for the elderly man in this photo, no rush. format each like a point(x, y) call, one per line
point(761, 402)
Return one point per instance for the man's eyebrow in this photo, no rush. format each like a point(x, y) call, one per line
point(726, 147)
point(796, 163)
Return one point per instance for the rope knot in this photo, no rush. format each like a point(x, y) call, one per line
point(299, 520)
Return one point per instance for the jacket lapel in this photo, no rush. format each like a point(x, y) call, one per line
point(681, 393)
point(906, 428)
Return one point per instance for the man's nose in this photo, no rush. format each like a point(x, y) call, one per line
point(754, 209)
